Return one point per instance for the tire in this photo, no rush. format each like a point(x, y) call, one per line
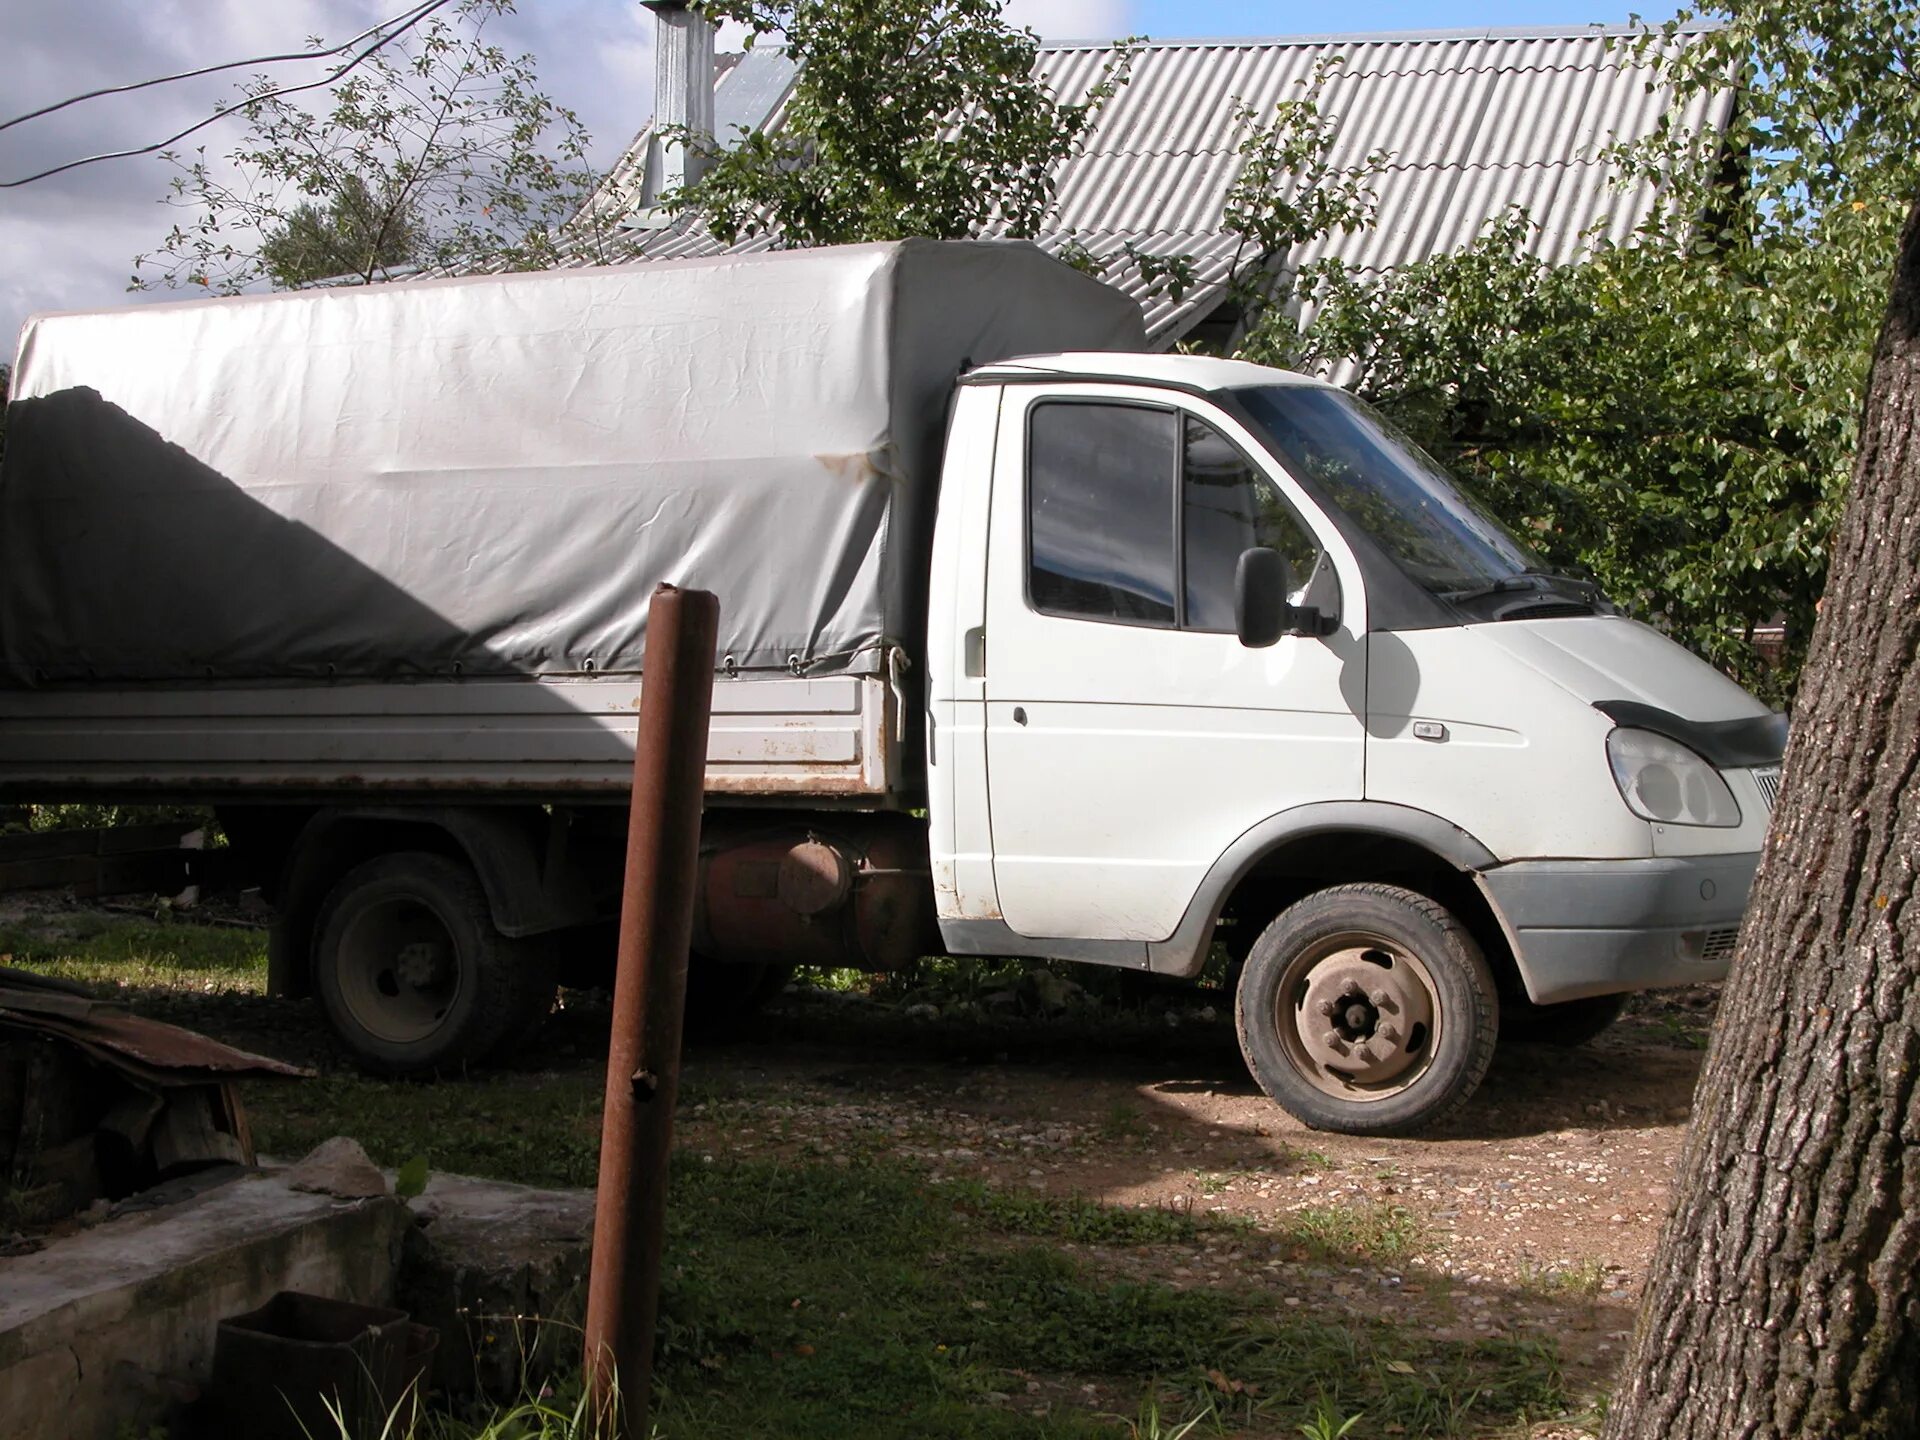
point(1410, 1011)
point(1570, 1023)
point(410, 972)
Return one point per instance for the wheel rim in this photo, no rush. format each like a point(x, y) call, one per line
point(399, 970)
point(1358, 1016)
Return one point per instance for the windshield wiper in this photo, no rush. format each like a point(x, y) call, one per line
point(1525, 580)
point(1505, 585)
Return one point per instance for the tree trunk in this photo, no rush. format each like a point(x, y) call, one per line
point(1785, 1298)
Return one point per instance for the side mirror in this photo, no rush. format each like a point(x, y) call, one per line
point(1262, 581)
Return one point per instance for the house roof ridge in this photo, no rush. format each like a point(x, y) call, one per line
point(1596, 30)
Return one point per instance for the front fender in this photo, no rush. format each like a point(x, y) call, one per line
point(1184, 952)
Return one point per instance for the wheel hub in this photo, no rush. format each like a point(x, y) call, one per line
point(398, 971)
point(1363, 1017)
point(418, 965)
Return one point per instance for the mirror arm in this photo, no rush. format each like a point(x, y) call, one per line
point(1311, 620)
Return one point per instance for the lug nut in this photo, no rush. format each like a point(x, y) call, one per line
point(1333, 1042)
point(1326, 1008)
point(1364, 1054)
point(1389, 1034)
point(1382, 999)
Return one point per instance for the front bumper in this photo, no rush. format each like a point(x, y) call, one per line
point(1598, 927)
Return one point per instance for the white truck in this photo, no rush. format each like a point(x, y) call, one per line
point(1031, 645)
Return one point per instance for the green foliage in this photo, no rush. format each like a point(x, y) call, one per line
point(1675, 424)
point(411, 1179)
point(1676, 416)
point(909, 118)
point(89, 815)
point(356, 232)
point(438, 152)
point(1289, 192)
point(1326, 1423)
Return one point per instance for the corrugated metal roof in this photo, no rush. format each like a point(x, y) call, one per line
point(1475, 123)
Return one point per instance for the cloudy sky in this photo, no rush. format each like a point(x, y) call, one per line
point(69, 242)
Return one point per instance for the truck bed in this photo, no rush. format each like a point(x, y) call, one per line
point(527, 739)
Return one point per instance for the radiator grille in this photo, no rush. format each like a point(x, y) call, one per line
point(1769, 778)
point(1720, 944)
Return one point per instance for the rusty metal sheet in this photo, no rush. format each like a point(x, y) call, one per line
point(147, 1050)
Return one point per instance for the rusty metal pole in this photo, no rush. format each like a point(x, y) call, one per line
point(649, 1003)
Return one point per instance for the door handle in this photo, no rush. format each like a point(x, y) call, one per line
point(1019, 714)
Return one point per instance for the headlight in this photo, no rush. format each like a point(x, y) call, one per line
point(1661, 779)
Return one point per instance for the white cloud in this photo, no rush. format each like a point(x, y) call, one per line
point(1074, 19)
point(69, 242)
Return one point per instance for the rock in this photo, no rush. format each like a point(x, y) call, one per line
point(338, 1167)
point(500, 1271)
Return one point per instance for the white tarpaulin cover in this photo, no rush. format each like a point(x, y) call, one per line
point(490, 475)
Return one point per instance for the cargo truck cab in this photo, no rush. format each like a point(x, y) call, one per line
point(1217, 655)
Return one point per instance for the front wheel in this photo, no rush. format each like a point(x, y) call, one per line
point(1367, 1009)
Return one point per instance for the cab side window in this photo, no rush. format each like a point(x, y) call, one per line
point(1227, 506)
point(1107, 539)
point(1100, 485)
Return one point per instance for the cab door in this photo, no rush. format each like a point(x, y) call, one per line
point(1131, 737)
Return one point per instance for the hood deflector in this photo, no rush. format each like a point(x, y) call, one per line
point(1725, 744)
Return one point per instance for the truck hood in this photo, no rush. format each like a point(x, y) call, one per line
point(1609, 657)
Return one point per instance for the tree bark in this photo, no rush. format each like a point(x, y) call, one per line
point(1785, 1297)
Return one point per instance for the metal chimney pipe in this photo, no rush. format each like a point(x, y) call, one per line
point(682, 93)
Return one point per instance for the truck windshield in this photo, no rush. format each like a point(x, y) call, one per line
point(1398, 494)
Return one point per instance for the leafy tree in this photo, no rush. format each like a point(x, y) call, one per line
point(1678, 415)
point(357, 232)
point(438, 152)
point(909, 118)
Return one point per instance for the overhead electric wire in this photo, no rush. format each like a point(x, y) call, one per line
point(411, 19)
point(210, 70)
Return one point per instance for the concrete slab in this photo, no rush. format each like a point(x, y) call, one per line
point(501, 1271)
point(114, 1326)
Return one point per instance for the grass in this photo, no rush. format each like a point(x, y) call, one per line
point(826, 1301)
point(1382, 1234)
point(117, 954)
point(854, 1296)
point(1580, 1281)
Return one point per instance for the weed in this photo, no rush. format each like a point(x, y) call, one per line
point(1684, 1032)
point(1326, 1424)
point(1374, 1232)
point(1149, 1424)
point(1122, 1122)
point(1580, 1281)
point(1050, 1218)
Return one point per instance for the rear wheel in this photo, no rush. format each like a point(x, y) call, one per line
point(1367, 1009)
point(411, 973)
